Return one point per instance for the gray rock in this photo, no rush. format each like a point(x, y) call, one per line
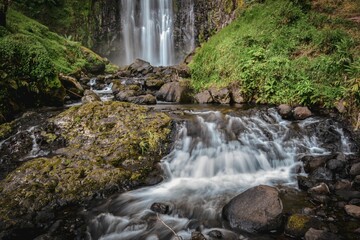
point(314, 234)
point(353, 210)
point(258, 209)
point(355, 169)
point(301, 113)
point(342, 184)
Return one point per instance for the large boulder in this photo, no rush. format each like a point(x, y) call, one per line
point(258, 209)
point(353, 210)
point(179, 92)
point(107, 149)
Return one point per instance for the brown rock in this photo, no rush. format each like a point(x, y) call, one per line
point(353, 210)
point(175, 92)
point(204, 97)
point(301, 113)
point(355, 169)
point(90, 96)
point(314, 234)
point(221, 96)
point(285, 111)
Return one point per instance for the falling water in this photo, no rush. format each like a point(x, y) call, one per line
point(147, 31)
point(216, 156)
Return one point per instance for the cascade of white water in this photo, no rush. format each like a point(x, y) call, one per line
point(215, 157)
point(147, 31)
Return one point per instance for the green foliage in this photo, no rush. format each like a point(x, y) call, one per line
point(280, 52)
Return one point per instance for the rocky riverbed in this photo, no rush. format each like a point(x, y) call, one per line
point(58, 164)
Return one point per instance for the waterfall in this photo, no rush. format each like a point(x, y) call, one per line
point(147, 31)
point(215, 157)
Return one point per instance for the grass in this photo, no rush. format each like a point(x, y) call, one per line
point(280, 51)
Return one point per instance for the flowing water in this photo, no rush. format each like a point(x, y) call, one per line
point(215, 157)
point(148, 32)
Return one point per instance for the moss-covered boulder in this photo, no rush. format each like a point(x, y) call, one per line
point(109, 146)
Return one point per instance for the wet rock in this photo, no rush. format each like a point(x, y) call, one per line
point(204, 97)
point(216, 234)
point(285, 111)
point(179, 92)
point(335, 164)
point(258, 209)
point(147, 99)
point(301, 113)
point(331, 138)
point(321, 174)
point(353, 210)
point(197, 236)
point(125, 96)
point(348, 194)
point(355, 169)
point(356, 182)
point(222, 96)
point(314, 234)
point(313, 162)
point(321, 188)
point(305, 183)
point(90, 96)
point(342, 184)
point(298, 224)
point(161, 208)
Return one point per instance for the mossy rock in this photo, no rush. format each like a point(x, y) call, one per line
point(109, 146)
point(114, 133)
point(44, 181)
point(298, 224)
point(5, 130)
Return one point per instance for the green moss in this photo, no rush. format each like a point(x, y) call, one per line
point(5, 130)
point(104, 151)
point(277, 53)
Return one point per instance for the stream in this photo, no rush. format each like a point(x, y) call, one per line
point(217, 154)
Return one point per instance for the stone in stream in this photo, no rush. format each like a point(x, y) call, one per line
point(314, 234)
point(301, 113)
point(355, 169)
point(161, 208)
point(285, 111)
point(298, 224)
point(353, 210)
point(259, 209)
point(90, 96)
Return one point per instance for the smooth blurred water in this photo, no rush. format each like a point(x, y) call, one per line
point(216, 156)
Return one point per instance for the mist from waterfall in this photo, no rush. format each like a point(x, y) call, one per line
point(147, 32)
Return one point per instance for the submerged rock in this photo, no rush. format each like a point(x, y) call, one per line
point(258, 209)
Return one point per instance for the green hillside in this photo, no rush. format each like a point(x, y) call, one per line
point(283, 51)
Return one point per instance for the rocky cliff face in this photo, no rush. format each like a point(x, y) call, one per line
point(97, 23)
